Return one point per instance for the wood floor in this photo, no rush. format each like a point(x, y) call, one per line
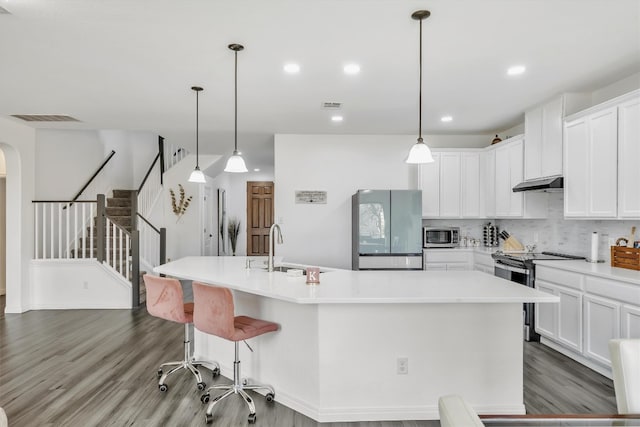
point(98, 368)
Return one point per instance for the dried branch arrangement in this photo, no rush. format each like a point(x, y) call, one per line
point(179, 208)
point(234, 232)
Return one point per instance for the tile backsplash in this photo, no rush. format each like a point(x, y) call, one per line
point(553, 233)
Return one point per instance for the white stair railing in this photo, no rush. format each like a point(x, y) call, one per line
point(173, 154)
point(118, 248)
point(64, 229)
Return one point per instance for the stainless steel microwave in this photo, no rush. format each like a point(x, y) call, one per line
point(440, 237)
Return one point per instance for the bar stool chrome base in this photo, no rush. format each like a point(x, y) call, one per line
point(238, 387)
point(188, 363)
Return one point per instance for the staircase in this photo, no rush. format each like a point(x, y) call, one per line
point(119, 209)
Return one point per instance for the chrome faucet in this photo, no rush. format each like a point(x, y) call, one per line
point(272, 244)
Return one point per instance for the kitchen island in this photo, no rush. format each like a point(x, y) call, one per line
point(374, 345)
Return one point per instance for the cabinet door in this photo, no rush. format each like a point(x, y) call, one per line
point(602, 323)
point(430, 185)
point(470, 197)
point(450, 185)
point(533, 147)
point(516, 200)
point(576, 173)
point(551, 158)
point(546, 313)
point(630, 316)
point(503, 182)
point(629, 159)
point(570, 318)
point(488, 185)
point(603, 163)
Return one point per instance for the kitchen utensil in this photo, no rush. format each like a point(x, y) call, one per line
point(511, 244)
point(632, 237)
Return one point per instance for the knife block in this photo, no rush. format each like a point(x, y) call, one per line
point(512, 245)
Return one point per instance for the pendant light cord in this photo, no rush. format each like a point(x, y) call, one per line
point(420, 96)
point(236, 107)
point(197, 132)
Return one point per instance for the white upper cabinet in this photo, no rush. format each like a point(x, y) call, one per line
point(451, 184)
point(629, 159)
point(450, 189)
point(430, 185)
point(509, 165)
point(488, 183)
point(543, 135)
point(470, 185)
point(601, 158)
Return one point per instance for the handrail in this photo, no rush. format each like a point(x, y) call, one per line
point(64, 201)
point(148, 223)
point(144, 180)
point(93, 177)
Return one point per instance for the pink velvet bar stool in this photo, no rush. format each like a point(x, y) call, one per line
point(214, 314)
point(165, 300)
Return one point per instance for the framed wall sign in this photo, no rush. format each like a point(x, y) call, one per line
point(311, 197)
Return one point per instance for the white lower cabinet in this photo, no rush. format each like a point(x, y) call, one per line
point(630, 316)
point(593, 309)
point(547, 314)
point(447, 259)
point(602, 324)
point(482, 261)
point(562, 321)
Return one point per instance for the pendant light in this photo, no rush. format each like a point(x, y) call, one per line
point(420, 152)
point(236, 162)
point(197, 175)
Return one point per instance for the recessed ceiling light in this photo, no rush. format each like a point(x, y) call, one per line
point(256, 170)
point(351, 69)
point(336, 118)
point(291, 68)
point(516, 70)
point(446, 119)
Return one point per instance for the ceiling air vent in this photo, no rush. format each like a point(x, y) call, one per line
point(45, 118)
point(332, 105)
point(4, 11)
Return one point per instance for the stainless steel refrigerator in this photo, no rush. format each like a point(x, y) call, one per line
point(386, 230)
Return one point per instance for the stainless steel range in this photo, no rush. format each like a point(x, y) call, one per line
point(520, 268)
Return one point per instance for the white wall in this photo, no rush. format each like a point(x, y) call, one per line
point(184, 234)
point(340, 165)
point(65, 160)
point(618, 88)
point(18, 144)
point(3, 231)
point(58, 153)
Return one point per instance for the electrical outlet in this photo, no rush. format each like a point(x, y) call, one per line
point(535, 237)
point(402, 366)
point(85, 285)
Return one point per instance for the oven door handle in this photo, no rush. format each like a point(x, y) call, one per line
point(524, 271)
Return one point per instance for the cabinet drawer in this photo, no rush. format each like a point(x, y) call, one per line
point(446, 256)
point(560, 277)
point(620, 291)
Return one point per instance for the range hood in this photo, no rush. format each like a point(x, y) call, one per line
point(554, 183)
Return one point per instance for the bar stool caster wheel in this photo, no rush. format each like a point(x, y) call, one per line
point(205, 398)
point(159, 373)
point(252, 418)
point(215, 373)
point(202, 386)
point(163, 387)
point(208, 418)
point(270, 397)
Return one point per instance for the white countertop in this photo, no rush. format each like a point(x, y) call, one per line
point(355, 287)
point(603, 270)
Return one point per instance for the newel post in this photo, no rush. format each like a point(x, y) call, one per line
point(100, 228)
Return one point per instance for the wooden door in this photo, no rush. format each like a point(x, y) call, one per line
point(259, 216)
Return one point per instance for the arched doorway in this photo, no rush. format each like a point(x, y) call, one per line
point(18, 243)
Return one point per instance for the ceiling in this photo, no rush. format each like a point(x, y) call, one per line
point(129, 64)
